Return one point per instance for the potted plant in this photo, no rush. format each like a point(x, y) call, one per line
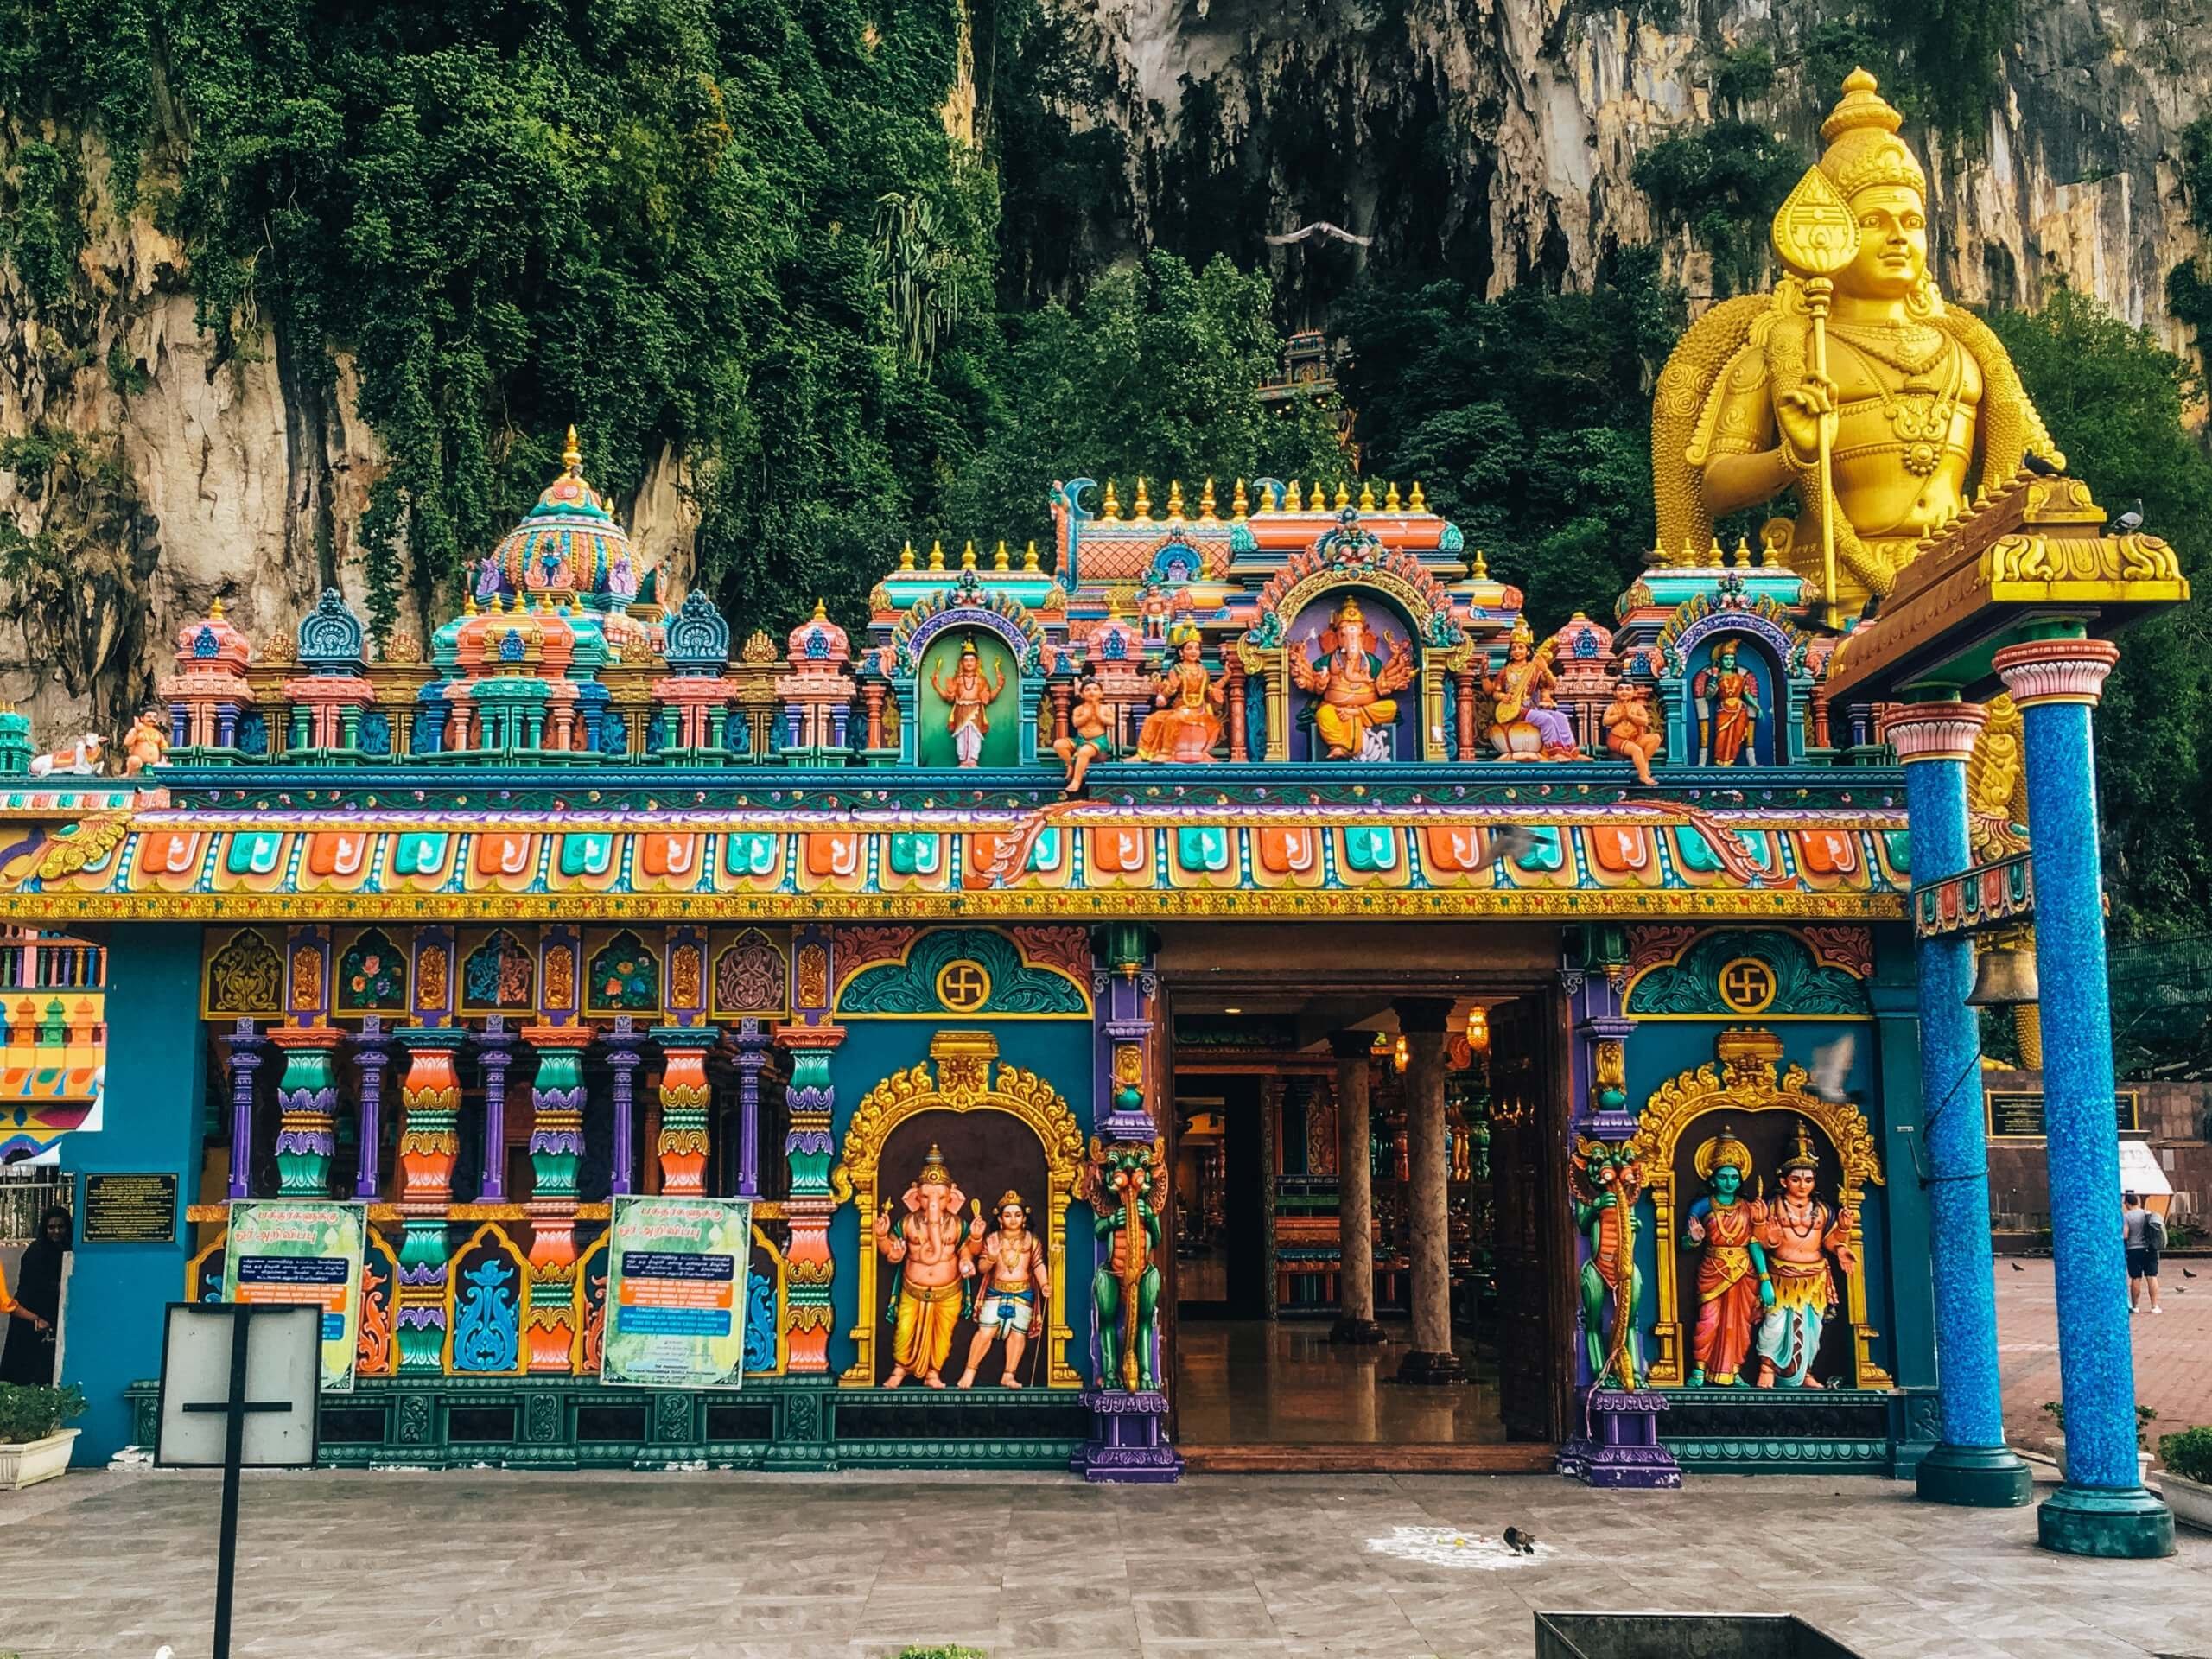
point(2145, 1416)
point(2186, 1482)
point(33, 1445)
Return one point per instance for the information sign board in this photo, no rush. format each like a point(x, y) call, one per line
point(676, 1282)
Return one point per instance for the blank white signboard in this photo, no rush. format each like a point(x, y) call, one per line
point(283, 1362)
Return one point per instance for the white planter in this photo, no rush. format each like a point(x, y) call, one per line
point(32, 1461)
point(2057, 1444)
point(2189, 1500)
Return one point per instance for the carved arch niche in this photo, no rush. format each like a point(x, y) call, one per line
point(960, 1077)
point(1744, 1092)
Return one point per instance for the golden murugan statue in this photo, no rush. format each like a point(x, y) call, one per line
point(1917, 400)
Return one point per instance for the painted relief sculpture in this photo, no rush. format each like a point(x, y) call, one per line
point(1185, 728)
point(1728, 704)
point(929, 1247)
point(1088, 724)
point(1526, 722)
point(1604, 1178)
point(1127, 1186)
point(146, 744)
point(1355, 685)
point(1915, 398)
point(969, 698)
point(1017, 1284)
point(1797, 1235)
point(1733, 1285)
point(1628, 731)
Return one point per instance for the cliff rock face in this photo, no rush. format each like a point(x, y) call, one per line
point(1491, 137)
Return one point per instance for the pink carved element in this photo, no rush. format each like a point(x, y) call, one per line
point(1066, 949)
point(209, 687)
point(2057, 670)
point(1650, 946)
point(818, 690)
point(857, 947)
point(1933, 731)
point(1851, 948)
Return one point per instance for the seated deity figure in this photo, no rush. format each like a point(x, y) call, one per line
point(933, 1254)
point(1798, 1236)
point(1184, 728)
point(1734, 1285)
point(1009, 1302)
point(1627, 721)
point(1356, 685)
point(1918, 401)
point(1526, 723)
point(968, 700)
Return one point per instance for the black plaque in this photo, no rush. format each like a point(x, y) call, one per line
point(2016, 1114)
point(129, 1209)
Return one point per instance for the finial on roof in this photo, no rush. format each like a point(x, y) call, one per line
point(1366, 496)
point(1029, 556)
point(215, 611)
point(968, 555)
point(1344, 496)
point(999, 559)
point(1205, 504)
point(1140, 509)
point(1714, 555)
point(1110, 507)
point(1390, 503)
point(936, 556)
point(1290, 498)
point(1688, 557)
point(1317, 500)
point(1174, 498)
point(1417, 502)
point(1480, 572)
point(468, 604)
point(821, 610)
point(906, 556)
point(572, 457)
point(1744, 552)
point(1240, 505)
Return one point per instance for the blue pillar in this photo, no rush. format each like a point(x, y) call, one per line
point(2103, 1509)
point(1971, 1465)
point(153, 1114)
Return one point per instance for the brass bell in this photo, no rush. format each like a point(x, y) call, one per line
point(2005, 978)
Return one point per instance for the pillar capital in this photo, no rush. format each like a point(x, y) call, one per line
point(2057, 670)
point(544, 1037)
point(1933, 731)
point(1423, 1015)
point(305, 1037)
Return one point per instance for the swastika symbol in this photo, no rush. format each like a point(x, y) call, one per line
point(1747, 985)
point(964, 986)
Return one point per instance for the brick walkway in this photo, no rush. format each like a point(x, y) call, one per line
point(2173, 1352)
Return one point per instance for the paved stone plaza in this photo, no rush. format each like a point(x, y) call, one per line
point(496, 1566)
point(2171, 1376)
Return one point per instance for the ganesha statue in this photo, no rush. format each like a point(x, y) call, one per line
point(1355, 687)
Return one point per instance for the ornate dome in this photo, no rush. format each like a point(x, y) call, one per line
point(818, 639)
point(569, 540)
point(212, 643)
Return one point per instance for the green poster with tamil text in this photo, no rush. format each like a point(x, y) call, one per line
point(303, 1250)
point(676, 1279)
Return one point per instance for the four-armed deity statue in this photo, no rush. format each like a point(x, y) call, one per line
point(1355, 686)
point(934, 1255)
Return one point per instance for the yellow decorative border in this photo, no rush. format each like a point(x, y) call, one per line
point(1440, 904)
point(1744, 1082)
point(964, 1084)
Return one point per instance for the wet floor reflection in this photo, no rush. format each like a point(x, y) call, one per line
point(1249, 1383)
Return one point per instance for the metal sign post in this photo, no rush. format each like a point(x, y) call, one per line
point(238, 1383)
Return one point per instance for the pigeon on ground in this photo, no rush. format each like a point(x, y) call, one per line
point(1831, 1065)
point(2127, 523)
point(2186, 1274)
point(2016, 1268)
point(1512, 841)
point(1517, 1538)
point(2041, 466)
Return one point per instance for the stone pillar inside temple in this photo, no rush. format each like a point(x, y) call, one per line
point(307, 1095)
point(624, 1060)
point(1424, 1020)
point(1972, 1464)
point(371, 1056)
point(494, 1054)
point(2104, 1507)
point(1355, 1191)
point(751, 1044)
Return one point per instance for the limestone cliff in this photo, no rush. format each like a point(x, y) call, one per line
point(1491, 137)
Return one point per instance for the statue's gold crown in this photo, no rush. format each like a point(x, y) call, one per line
point(1802, 1154)
point(933, 1168)
point(1182, 633)
point(1863, 146)
point(1012, 1198)
point(1722, 1149)
point(1350, 612)
point(1522, 634)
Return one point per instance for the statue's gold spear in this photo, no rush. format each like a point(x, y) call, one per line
point(1814, 237)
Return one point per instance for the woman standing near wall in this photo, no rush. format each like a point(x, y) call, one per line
point(35, 1311)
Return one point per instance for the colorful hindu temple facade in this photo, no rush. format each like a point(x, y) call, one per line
point(600, 891)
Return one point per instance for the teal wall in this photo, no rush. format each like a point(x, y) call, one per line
point(153, 1108)
point(1059, 1050)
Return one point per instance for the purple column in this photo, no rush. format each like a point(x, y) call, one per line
point(752, 1039)
point(622, 1055)
point(495, 1053)
point(246, 1060)
point(372, 1055)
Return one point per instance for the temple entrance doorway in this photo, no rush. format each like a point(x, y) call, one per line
point(1283, 1081)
